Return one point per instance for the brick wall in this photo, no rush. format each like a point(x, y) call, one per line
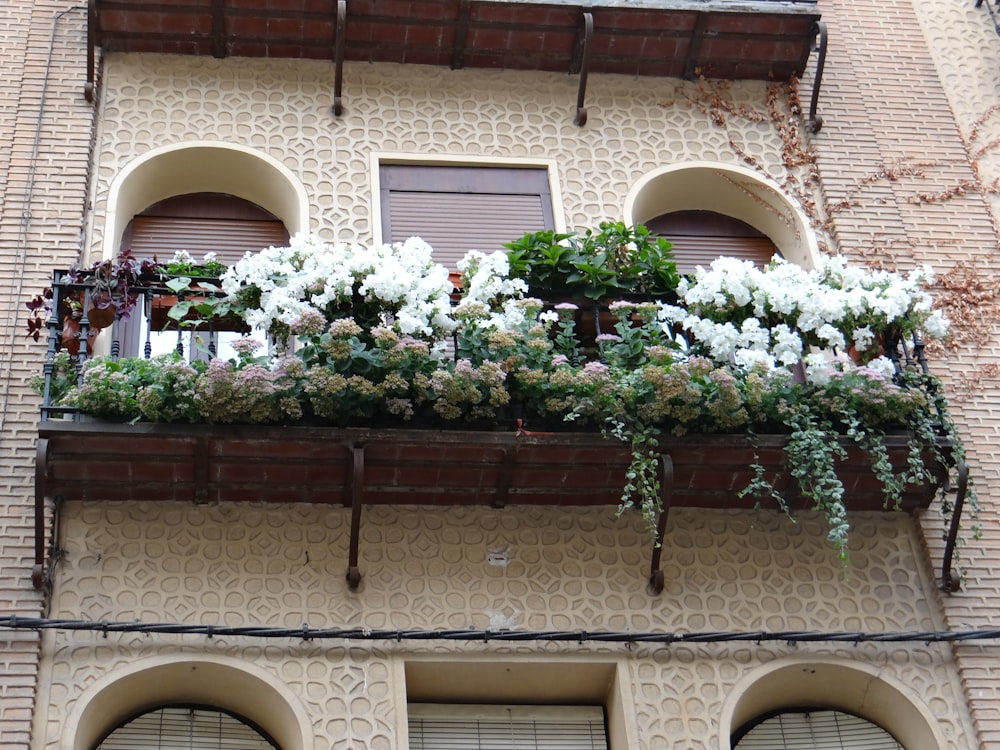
point(899, 183)
point(42, 195)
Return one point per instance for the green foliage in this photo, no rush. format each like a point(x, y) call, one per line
point(613, 260)
point(63, 378)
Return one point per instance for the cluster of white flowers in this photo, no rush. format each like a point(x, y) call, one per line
point(773, 316)
point(489, 295)
point(181, 257)
point(309, 274)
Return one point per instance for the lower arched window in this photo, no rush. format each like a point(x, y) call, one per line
point(186, 728)
point(812, 729)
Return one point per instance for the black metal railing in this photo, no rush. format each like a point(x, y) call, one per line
point(82, 321)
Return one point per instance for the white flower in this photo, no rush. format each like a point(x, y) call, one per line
point(309, 274)
point(936, 326)
point(864, 338)
point(182, 257)
point(883, 366)
point(787, 345)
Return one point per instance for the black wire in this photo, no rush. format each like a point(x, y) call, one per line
point(307, 633)
point(993, 17)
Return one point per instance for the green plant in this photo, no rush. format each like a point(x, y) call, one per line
point(110, 387)
point(112, 283)
point(60, 378)
point(183, 264)
point(612, 260)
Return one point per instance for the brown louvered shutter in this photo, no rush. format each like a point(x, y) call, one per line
point(201, 223)
point(457, 209)
point(810, 729)
point(699, 237)
point(186, 728)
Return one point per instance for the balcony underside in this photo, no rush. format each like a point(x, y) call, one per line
point(355, 467)
point(753, 39)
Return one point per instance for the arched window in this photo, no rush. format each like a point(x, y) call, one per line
point(700, 236)
point(201, 223)
point(811, 728)
point(198, 223)
point(708, 209)
point(186, 728)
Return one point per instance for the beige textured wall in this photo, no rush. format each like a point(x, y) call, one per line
point(282, 108)
point(427, 568)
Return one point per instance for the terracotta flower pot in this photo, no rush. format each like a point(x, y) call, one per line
point(101, 317)
point(71, 335)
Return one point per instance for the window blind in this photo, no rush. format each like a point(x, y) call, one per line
point(816, 730)
point(229, 239)
point(507, 727)
point(699, 237)
point(457, 209)
point(182, 728)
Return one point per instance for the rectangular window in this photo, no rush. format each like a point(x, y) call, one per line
point(460, 208)
point(507, 704)
point(434, 726)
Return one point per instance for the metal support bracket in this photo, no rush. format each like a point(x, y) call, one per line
point(461, 34)
point(92, 20)
point(819, 46)
point(218, 29)
point(582, 63)
point(338, 58)
point(41, 477)
point(951, 580)
point(666, 491)
point(504, 478)
point(201, 472)
point(357, 485)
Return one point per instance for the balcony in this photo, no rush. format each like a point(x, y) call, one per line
point(517, 457)
point(727, 39)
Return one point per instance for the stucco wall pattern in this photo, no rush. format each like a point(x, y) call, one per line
point(562, 569)
point(283, 109)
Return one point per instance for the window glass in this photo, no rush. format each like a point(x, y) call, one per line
point(186, 728)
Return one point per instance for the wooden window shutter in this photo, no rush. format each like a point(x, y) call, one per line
point(495, 727)
point(699, 237)
point(811, 729)
point(457, 209)
point(201, 223)
point(183, 728)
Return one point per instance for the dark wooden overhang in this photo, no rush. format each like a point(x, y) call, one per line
point(727, 39)
point(107, 462)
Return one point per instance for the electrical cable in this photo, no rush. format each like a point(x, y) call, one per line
point(993, 15)
point(307, 633)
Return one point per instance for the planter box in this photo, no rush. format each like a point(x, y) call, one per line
point(160, 321)
point(199, 463)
